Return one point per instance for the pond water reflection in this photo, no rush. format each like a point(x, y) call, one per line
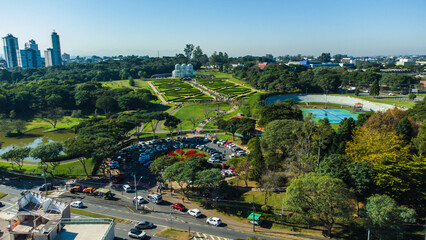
point(34, 138)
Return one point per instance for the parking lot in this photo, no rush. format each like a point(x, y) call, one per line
point(144, 153)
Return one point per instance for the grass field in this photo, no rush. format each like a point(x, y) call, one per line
point(66, 123)
point(139, 84)
point(69, 169)
point(173, 233)
point(229, 77)
point(197, 111)
point(178, 91)
point(225, 117)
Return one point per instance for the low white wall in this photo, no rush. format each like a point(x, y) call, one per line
point(344, 100)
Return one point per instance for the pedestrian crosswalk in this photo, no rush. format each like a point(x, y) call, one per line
point(203, 236)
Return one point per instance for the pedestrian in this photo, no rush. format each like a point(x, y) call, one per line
point(183, 199)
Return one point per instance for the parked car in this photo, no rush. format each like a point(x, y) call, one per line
point(46, 187)
point(179, 206)
point(136, 233)
point(76, 189)
point(194, 212)
point(140, 200)
point(89, 190)
point(117, 178)
point(127, 188)
point(144, 225)
point(77, 204)
point(214, 221)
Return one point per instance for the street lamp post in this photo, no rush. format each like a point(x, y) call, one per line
point(45, 182)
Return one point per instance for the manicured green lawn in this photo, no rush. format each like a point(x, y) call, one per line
point(225, 117)
point(197, 111)
point(70, 169)
point(2, 195)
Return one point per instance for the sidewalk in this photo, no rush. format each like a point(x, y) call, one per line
point(234, 224)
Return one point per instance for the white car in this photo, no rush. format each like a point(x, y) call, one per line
point(194, 212)
point(127, 188)
point(135, 233)
point(77, 204)
point(140, 200)
point(214, 221)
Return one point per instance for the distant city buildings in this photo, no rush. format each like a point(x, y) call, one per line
point(56, 45)
point(182, 71)
point(405, 62)
point(11, 49)
point(29, 57)
point(48, 57)
point(66, 58)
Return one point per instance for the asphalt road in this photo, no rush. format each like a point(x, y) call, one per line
point(162, 217)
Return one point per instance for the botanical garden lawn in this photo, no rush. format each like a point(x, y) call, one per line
point(196, 110)
point(224, 87)
point(179, 91)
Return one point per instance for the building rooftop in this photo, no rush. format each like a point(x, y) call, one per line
point(82, 229)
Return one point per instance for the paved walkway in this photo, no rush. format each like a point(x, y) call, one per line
point(201, 89)
point(204, 123)
point(163, 101)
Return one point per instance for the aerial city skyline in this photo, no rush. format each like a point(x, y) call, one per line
point(30, 56)
point(108, 28)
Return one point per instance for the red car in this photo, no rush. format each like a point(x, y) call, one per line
point(117, 178)
point(179, 206)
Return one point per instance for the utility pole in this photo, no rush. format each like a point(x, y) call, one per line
point(275, 204)
point(282, 206)
point(45, 183)
point(368, 237)
point(136, 194)
point(254, 208)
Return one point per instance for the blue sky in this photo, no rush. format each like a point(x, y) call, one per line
point(279, 27)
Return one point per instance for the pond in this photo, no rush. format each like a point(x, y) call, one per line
point(34, 138)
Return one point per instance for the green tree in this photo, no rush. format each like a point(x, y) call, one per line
point(209, 178)
point(343, 135)
point(257, 160)
point(411, 96)
point(319, 198)
point(130, 102)
point(405, 129)
point(171, 123)
point(324, 57)
point(106, 103)
point(189, 48)
point(81, 148)
point(334, 165)
point(17, 155)
point(53, 116)
point(285, 110)
point(47, 154)
point(162, 162)
point(131, 82)
point(420, 141)
point(361, 180)
point(385, 218)
point(375, 88)
point(323, 137)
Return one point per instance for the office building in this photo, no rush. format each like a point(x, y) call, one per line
point(56, 45)
point(66, 58)
point(11, 49)
point(29, 57)
point(48, 57)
